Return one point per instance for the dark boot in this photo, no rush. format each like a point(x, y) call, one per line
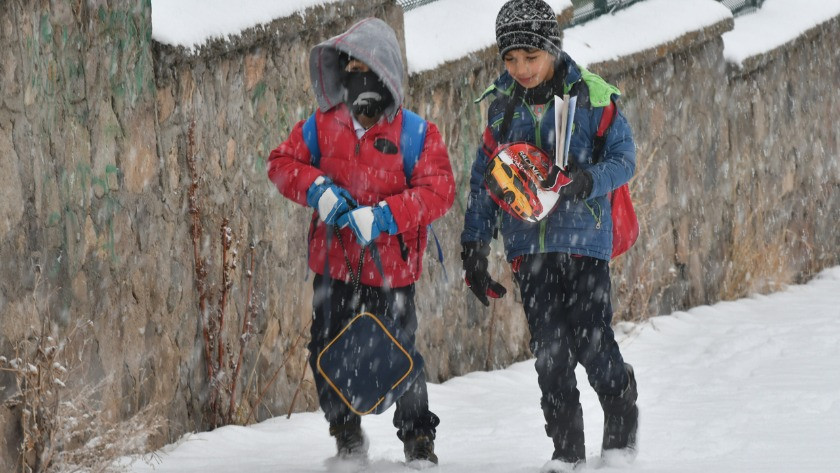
point(621, 417)
point(565, 428)
point(420, 448)
point(417, 432)
point(350, 441)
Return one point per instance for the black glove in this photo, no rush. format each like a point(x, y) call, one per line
point(474, 256)
point(581, 185)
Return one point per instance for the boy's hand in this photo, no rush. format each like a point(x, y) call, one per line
point(330, 200)
point(581, 185)
point(369, 222)
point(474, 256)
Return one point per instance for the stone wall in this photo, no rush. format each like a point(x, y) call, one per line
point(78, 171)
point(733, 196)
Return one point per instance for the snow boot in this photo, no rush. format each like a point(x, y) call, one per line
point(350, 441)
point(565, 428)
point(621, 419)
point(557, 466)
point(420, 449)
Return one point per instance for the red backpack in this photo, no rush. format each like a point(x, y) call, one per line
point(624, 220)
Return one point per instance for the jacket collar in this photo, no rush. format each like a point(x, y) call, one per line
point(504, 83)
point(342, 115)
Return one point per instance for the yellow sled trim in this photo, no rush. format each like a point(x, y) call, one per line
point(335, 388)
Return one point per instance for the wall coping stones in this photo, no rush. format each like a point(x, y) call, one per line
point(649, 56)
point(754, 63)
point(312, 19)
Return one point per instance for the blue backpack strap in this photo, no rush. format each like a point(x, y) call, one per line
point(440, 253)
point(412, 139)
point(377, 261)
point(310, 137)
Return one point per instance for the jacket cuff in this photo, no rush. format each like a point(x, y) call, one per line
point(387, 219)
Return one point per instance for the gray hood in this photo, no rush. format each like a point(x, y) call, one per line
point(371, 41)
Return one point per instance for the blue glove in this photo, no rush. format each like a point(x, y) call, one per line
point(330, 200)
point(369, 222)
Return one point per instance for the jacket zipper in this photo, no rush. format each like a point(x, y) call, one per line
point(538, 139)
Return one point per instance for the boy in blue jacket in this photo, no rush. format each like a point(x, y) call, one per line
point(561, 263)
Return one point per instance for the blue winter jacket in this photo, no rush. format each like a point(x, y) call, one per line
point(574, 226)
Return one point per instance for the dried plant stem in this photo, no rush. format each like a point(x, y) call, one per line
point(488, 363)
point(227, 267)
point(277, 371)
point(42, 368)
point(217, 325)
point(245, 333)
point(297, 389)
point(195, 232)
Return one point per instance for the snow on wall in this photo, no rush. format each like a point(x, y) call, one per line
point(190, 23)
point(775, 24)
point(449, 29)
point(640, 27)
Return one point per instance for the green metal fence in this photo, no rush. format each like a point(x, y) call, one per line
point(411, 4)
point(586, 10)
point(740, 7)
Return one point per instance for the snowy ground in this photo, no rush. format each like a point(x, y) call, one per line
point(745, 386)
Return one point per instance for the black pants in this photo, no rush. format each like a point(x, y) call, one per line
point(567, 303)
point(333, 308)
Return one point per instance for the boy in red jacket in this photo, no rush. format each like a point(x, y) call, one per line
point(365, 204)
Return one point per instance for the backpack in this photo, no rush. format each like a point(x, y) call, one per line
point(624, 220)
point(412, 138)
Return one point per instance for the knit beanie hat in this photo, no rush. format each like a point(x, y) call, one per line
point(527, 24)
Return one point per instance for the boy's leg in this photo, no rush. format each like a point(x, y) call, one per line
point(542, 286)
point(589, 314)
point(330, 313)
point(598, 352)
point(416, 424)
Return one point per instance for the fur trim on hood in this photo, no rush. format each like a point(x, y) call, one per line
point(371, 41)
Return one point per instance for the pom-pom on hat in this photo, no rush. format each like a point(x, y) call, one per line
point(526, 24)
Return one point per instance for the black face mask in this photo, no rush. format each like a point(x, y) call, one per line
point(366, 93)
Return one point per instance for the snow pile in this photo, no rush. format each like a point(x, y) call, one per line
point(640, 27)
point(777, 22)
point(749, 385)
point(190, 23)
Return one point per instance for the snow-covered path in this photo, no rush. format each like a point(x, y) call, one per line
point(750, 385)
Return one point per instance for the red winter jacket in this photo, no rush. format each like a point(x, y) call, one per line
point(370, 176)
